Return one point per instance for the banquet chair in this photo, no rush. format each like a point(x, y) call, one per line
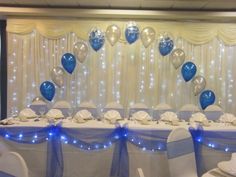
point(12, 165)
point(115, 106)
point(89, 106)
point(213, 112)
point(180, 153)
point(160, 109)
point(187, 110)
point(39, 106)
point(138, 107)
point(64, 106)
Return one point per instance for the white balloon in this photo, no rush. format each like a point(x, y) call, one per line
point(58, 76)
point(113, 34)
point(177, 57)
point(80, 51)
point(148, 35)
point(199, 83)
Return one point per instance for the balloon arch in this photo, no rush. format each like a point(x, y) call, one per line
point(132, 34)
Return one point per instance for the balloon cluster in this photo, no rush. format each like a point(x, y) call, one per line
point(113, 34)
point(188, 71)
point(132, 34)
point(47, 88)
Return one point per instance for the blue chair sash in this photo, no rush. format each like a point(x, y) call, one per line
point(4, 174)
point(180, 148)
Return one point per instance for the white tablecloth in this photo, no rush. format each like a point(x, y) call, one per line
point(97, 164)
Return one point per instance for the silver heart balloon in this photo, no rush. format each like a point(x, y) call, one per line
point(148, 35)
point(113, 34)
point(58, 76)
point(80, 51)
point(177, 57)
point(199, 83)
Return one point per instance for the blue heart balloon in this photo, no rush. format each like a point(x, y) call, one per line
point(96, 39)
point(68, 62)
point(188, 71)
point(207, 98)
point(47, 90)
point(165, 46)
point(131, 34)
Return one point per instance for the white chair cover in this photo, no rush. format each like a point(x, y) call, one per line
point(187, 110)
point(138, 107)
point(13, 164)
point(37, 105)
point(64, 106)
point(115, 106)
point(180, 152)
point(213, 112)
point(90, 106)
point(160, 109)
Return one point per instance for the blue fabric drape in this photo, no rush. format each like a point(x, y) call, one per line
point(87, 139)
point(96, 139)
point(224, 141)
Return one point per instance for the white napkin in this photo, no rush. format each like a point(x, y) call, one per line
point(169, 116)
point(227, 117)
point(141, 115)
point(54, 113)
point(27, 113)
point(198, 117)
point(112, 116)
point(83, 115)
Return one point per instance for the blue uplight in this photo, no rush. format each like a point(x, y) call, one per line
point(20, 135)
point(7, 136)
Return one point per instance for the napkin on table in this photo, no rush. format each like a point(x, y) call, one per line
point(112, 116)
point(27, 113)
point(141, 115)
point(54, 113)
point(82, 116)
point(169, 116)
point(198, 117)
point(227, 117)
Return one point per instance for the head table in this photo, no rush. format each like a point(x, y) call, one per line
point(99, 149)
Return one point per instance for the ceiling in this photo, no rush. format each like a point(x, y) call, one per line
point(222, 5)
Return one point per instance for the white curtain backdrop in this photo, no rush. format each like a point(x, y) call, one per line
point(124, 73)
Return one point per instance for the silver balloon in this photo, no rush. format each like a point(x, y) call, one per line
point(177, 57)
point(148, 35)
point(80, 51)
point(58, 76)
point(113, 34)
point(199, 83)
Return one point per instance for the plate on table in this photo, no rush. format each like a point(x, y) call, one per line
point(227, 167)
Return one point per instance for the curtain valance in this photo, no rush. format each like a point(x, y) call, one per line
point(194, 32)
